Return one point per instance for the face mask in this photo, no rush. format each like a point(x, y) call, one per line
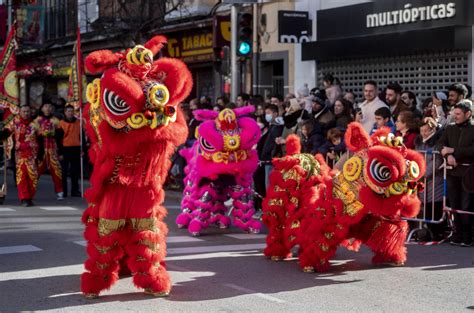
point(268, 117)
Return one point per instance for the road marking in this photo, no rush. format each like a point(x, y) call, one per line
point(172, 206)
point(246, 236)
point(170, 239)
point(18, 249)
point(177, 239)
point(6, 210)
point(58, 208)
point(207, 249)
point(254, 293)
point(81, 243)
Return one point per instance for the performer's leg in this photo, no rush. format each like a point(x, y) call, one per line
point(55, 170)
point(387, 241)
point(103, 247)
point(146, 251)
point(203, 204)
point(187, 204)
point(22, 179)
point(33, 177)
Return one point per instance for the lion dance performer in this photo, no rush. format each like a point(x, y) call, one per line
point(24, 131)
point(309, 205)
point(134, 124)
point(48, 125)
point(221, 164)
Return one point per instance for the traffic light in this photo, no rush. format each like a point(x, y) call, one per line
point(244, 35)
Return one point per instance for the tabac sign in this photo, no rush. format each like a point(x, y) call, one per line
point(191, 46)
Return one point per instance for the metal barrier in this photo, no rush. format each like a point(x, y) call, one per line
point(447, 211)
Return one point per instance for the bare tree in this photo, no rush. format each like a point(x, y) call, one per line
point(130, 21)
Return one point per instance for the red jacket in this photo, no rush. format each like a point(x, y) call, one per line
point(409, 138)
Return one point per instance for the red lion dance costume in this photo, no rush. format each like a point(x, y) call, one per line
point(221, 164)
point(134, 124)
point(47, 129)
point(309, 205)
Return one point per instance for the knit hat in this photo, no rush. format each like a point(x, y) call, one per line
point(318, 100)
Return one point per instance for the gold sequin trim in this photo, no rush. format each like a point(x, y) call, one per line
point(106, 226)
point(155, 247)
point(140, 224)
point(275, 202)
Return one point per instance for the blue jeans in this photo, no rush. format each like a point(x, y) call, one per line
point(268, 169)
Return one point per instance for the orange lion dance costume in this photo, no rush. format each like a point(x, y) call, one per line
point(309, 205)
point(134, 124)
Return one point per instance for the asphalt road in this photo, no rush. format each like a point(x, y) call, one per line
point(42, 251)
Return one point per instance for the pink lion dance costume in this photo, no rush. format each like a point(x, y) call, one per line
point(309, 205)
point(221, 164)
point(134, 124)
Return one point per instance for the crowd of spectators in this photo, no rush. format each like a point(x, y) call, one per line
point(320, 117)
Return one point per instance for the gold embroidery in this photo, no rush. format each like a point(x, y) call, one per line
point(275, 202)
point(291, 174)
point(153, 246)
point(295, 224)
point(140, 224)
point(107, 226)
point(102, 266)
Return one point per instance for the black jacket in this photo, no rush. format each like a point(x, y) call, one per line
point(461, 138)
point(268, 151)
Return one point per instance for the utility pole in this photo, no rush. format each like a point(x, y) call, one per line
point(234, 67)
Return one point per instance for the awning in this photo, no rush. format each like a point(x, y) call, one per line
point(445, 38)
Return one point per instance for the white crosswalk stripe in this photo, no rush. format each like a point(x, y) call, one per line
point(58, 208)
point(7, 210)
point(246, 236)
point(19, 249)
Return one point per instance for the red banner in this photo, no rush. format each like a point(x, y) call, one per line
point(9, 93)
point(75, 78)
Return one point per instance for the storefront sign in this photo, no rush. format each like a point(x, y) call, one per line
point(392, 16)
point(411, 14)
point(191, 46)
point(221, 30)
point(294, 27)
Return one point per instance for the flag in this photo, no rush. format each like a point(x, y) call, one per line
point(76, 76)
point(9, 93)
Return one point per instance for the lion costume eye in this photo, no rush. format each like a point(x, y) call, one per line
point(114, 103)
point(206, 145)
point(379, 172)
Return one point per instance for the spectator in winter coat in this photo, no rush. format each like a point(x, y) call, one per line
point(407, 127)
point(432, 196)
point(332, 88)
point(311, 138)
point(274, 131)
point(342, 112)
point(334, 146)
point(383, 118)
point(321, 114)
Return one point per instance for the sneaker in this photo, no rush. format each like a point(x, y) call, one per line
point(29, 202)
point(60, 196)
point(76, 194)
point(24, 202)
point(466, 244)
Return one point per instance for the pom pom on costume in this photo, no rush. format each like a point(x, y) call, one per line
point(134, 125)
point(309, 205)
point(220, 167)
